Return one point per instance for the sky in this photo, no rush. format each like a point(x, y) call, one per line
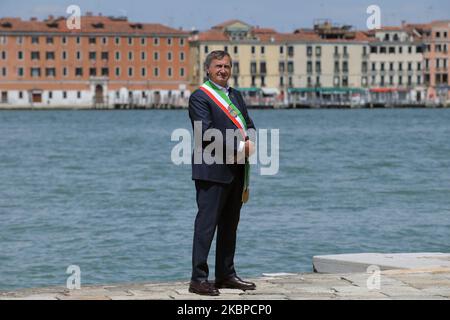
point(282, 15)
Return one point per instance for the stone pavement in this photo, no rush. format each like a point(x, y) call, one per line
point(429, 283)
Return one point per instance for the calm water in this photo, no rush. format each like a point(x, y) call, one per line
point(97, 189)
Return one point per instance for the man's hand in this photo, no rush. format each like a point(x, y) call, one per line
point(249, 148)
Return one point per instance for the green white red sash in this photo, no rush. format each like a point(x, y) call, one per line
point(234, 114)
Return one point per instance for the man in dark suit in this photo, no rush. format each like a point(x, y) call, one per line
point(219, 185)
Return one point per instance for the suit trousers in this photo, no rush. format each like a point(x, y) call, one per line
point(219, 207)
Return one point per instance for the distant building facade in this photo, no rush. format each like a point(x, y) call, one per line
point(108, 61)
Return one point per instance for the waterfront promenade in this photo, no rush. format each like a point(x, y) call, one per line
point(422, 284)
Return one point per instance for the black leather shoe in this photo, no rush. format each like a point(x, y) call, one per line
point(204, 288)
point(235, 283)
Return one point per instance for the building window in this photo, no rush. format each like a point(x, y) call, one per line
point(156, 72)
point(181, 42)
point(50, 72)
point(235, 49)
point(181, 72)
point(105, 72)
point(318, 67)
point(143, 72)
point(34, 40)
point(169, 41)
point(20, 94)
point(281, 67)
point(143, 41)
point(64, 94)
point(65, 72)
point(263, 50)
point(92, 55)
point(345, 81)
point(253, 68)
point(117, 40)
point(79, 72)
point(50, 95)
point(35, 55)
point(35, 72)
point(225, 48)
point(20, 55)
point(253, 49)
point(206, 49)
point(4, 72)
point(281, 81)
point(78, 40)
point(319, 51)
point(117, 56)
point(281, 50)
point(336, 66)
point(64, 55)
point(78, 94)
point(156, 56)
point(92, 40)
point(130, 72)
point(309, 67)
point(117, 71)
point(92, 72)
point(169, 71)
point(181, 56)
point(262, 68)
point(130, 41)
point(143, 56)
point(19, 40)
point(253, 81)
point(20, 72)
point(105, 55)
point(263, 81)
point(130, 56)
point(156, 41)
point(169, 56)
point(78, 55)
point(236, 67)
point(104, 40)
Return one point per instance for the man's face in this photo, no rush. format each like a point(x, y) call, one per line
point(220, 71)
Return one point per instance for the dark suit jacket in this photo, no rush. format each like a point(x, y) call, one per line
point(202, 108)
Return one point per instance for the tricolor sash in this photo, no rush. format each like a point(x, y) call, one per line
point(234, 114)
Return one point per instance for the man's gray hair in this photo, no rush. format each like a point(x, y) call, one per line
point(218, 55)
